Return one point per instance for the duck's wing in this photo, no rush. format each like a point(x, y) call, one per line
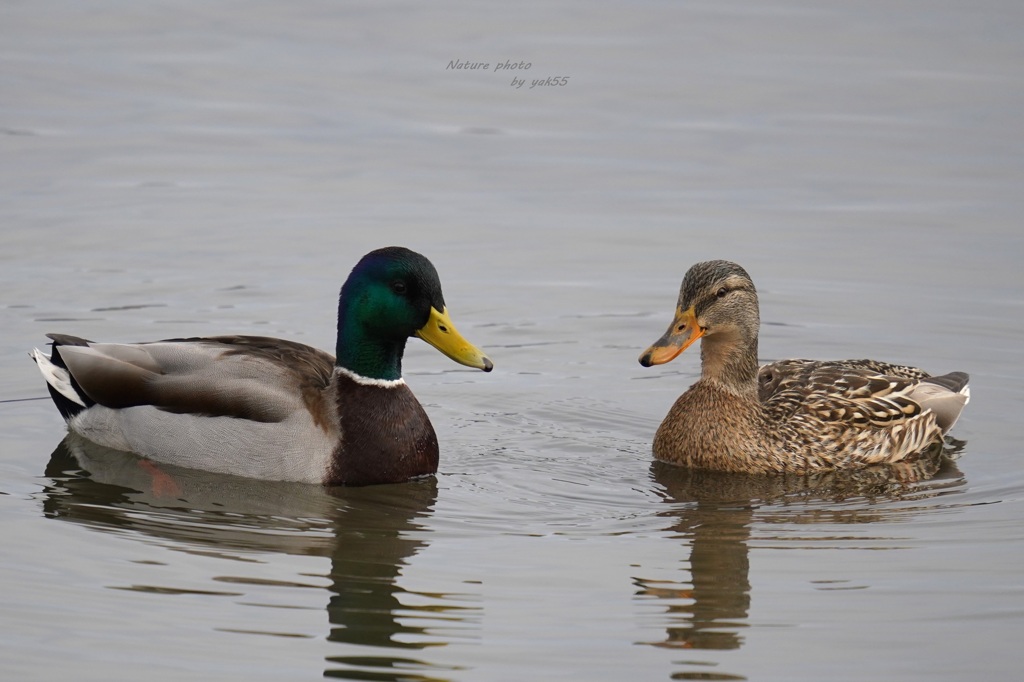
point(787, 374)
point(244, 377)
point(861, 393)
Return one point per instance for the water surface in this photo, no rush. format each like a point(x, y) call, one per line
point(192, 169)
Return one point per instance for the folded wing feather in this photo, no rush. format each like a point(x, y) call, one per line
point(202, 377)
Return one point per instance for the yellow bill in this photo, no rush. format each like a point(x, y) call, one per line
point(440, 333)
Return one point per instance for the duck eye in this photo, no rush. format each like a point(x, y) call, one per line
point(721, 292)
point(398, 286)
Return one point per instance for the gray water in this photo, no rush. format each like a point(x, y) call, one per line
point(189, 168)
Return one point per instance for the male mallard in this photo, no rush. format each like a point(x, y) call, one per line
point(272, 409)
point(793, 416)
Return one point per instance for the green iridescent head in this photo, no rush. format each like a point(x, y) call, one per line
point(394, 293)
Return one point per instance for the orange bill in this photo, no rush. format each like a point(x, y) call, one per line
point(681, 334)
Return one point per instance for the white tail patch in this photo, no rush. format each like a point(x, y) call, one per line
point(57, 377)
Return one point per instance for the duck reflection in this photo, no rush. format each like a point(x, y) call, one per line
point(369, 535)
point(713, 513)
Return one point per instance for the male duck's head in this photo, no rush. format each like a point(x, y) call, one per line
point(394, 293)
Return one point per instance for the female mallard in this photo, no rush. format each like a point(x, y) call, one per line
point(793, 416)
point(271, 409)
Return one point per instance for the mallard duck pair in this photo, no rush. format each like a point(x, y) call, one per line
point(272, 409)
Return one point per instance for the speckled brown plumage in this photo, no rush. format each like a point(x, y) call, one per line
point(796, 416)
